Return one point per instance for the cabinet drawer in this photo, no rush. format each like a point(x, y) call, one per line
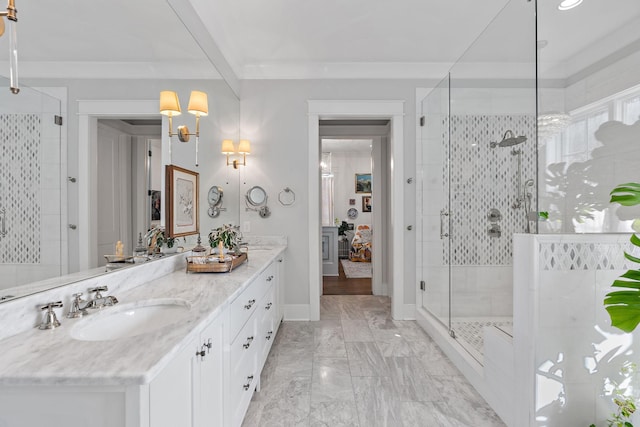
point(242, 383)
point(241, 309)
point(244, 346)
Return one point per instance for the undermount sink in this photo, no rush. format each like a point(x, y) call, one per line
point(129, 320)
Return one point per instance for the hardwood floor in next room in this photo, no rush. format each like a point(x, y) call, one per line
point(341, 285)
point(357, 367)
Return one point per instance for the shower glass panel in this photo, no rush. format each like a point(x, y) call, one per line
point(433, 202)
point(492, 171)
point(32, 247)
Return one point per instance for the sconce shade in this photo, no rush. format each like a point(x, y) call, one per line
point(169, 103)
point(227, 147)
point(244, 147)
point(198, 103)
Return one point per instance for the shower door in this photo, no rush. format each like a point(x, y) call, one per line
point(433, 204)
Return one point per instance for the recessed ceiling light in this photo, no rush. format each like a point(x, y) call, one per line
point(569, 4)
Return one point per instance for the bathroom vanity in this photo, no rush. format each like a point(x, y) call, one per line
point(181, 349)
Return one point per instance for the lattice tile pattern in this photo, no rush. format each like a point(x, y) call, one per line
point(20, 194)
point(586, 256)
point(472, 333)
point(483, 178)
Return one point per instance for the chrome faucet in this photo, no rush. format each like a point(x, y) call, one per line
point(98, 301)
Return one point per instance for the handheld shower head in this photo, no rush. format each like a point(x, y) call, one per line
point(509, 140)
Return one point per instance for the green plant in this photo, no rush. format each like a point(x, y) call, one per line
point(228, 234)
point(623, 306)
point(620, 393)
point(156, 237)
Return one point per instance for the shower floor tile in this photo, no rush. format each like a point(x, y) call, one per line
point(470, 330)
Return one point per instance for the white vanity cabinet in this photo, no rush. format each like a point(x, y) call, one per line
point(207, 370)
point(253, 314)
point(189, 390)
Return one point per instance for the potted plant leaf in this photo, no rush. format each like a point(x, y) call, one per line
point(156, 239)
point(227, 234)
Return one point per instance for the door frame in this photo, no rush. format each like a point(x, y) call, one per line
point(363, 109)
point(89, 111)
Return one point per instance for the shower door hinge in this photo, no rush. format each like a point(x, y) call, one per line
point(57, 120)
point(422, 285)
point(422, 121)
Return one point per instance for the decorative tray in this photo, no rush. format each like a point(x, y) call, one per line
point(213, 264)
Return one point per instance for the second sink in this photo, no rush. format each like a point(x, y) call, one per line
point(129, 320)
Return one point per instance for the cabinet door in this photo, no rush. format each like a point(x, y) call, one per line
point(280, 286)
point(172, 392)
point(209, 411)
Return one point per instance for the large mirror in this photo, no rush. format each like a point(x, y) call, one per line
point(69, 192)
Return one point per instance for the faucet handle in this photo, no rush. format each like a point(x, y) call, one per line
point(98, 289)
point(50, 321)
point(51, 305)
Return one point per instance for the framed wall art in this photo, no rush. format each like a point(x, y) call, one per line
point(366, 203)
point(363, 183)
point(182, 201)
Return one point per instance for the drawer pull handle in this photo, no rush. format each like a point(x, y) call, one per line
point(250, 304)
point(268, 306)
point(247, 385)
point(269, 278)
point(248, 343)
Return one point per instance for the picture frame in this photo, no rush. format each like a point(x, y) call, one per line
point(363, 183)
point(366, 203)
point(181, 209)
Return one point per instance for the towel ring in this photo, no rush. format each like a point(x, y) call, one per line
point(287, 197)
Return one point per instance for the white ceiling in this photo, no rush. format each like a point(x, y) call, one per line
point(346, 145)
point(298, 39)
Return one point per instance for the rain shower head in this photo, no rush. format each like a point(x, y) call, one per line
point(508, 140)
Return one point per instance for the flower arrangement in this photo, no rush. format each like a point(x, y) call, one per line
point(228, 234)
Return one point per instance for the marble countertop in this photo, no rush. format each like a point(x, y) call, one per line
point(53, 357)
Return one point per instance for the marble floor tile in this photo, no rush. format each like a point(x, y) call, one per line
point(421, 414)
point(365, 360)
point(410, 382)
point(357, 367)
point(356, 331)
point(331, 380)
point(375, 402)
point(392, 343)
point(334, 414)
point(284, 403)
point(329, 341)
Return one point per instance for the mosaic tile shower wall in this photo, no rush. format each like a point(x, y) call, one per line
point(483, 178)
point(20, 194)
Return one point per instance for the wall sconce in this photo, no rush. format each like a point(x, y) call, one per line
point(244, 148)
point(12, 16)
point(170, 107)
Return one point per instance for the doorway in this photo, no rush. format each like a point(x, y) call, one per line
point(354, 181)
point(393, 111)
point(127, 178)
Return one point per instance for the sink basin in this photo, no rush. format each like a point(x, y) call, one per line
point(129, 320)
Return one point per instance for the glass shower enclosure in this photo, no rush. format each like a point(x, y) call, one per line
point(32, 238)
point(477, 160)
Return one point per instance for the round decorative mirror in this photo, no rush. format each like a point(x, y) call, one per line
point(256, 196)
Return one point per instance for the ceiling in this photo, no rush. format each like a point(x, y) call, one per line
point(297, 39)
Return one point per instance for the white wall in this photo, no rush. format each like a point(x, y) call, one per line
point(274, 117)
point(345, 165)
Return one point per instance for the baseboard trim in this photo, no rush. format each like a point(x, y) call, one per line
point(296, 312)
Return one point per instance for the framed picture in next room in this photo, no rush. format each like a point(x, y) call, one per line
point(182, 201)
point(366, 203)
point(363, 183)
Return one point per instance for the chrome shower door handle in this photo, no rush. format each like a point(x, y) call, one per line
point(443, 214)
point(3, 222)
